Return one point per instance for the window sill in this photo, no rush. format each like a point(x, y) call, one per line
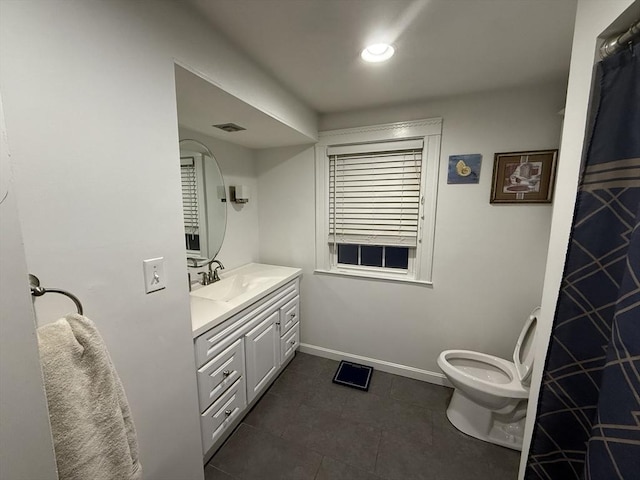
point(374, 276)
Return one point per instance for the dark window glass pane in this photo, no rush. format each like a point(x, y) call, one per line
point(348, 254)
point(192, 241)
point(370, 256)
point(397, 257)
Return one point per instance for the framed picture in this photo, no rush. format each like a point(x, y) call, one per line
point(524, 177)
point(464, 168)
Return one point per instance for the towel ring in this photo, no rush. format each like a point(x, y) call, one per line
point(38, 291)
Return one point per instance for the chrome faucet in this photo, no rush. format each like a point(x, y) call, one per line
point(213, 275)
point(210, 276)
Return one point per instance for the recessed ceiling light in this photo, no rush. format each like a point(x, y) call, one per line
point(378, 52)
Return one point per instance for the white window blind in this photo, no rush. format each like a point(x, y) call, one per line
point(374, 193)
point(190, 209)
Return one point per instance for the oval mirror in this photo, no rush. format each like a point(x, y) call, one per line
point(204, 204)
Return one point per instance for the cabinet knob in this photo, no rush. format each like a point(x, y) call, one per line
point(292, 342)
point(277, 323)
point(226, 373)
point(228, 412)
point(293, 315)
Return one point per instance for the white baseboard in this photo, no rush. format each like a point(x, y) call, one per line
point(382, 365)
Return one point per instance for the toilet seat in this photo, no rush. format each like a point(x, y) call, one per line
point(488, 373)
point(523, 353)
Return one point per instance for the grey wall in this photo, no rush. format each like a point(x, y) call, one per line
point(25, 437)
point(489, 259)
point(90, 106)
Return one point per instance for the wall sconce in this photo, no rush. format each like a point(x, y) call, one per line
point(239, 193)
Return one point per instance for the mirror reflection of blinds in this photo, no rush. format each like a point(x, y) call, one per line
point(374, 193)
point(189, 196)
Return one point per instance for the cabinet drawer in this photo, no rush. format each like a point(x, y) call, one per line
point(219, 373)
point(289, 343)
point(219, 415)
point(289, 315)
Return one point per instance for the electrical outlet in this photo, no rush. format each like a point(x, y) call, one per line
point(154, 278)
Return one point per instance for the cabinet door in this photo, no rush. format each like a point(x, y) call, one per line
point(262, 348)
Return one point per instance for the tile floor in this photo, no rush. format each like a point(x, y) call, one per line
point(306, 427)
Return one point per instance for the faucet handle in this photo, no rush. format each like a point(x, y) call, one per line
point(205, 278)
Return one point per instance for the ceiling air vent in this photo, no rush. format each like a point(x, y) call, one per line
point(229, 127)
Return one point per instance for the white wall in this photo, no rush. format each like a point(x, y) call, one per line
point(27, 446)
point(89, 97)
point(489, 259)
point(592, 18)
point(237, 165)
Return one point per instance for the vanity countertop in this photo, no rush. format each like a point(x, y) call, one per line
point(237, 289)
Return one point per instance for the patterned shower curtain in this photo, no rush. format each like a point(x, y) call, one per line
point(588, 419)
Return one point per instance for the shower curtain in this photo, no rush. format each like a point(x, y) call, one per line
point(588, 419)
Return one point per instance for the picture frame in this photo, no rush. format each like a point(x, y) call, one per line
point(524, 177)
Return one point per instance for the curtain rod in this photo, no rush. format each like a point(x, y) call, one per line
point(620, 41)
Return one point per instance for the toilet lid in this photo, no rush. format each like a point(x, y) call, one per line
point(523, 354)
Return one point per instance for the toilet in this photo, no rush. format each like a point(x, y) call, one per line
point(490, 394)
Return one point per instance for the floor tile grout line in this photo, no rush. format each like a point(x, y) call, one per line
point(223, 471)
point(315, 477)
point(375, 464)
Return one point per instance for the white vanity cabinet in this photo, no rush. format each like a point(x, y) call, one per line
point(241, 356)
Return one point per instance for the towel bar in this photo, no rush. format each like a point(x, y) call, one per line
point(38, 291)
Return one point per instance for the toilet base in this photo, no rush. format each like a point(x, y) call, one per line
point(483, 424)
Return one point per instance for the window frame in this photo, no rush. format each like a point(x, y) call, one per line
point(421, 257)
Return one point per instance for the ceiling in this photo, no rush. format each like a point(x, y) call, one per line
point(443, 47)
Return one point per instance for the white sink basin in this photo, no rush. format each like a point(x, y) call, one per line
point(238, 288)
point(229, 288)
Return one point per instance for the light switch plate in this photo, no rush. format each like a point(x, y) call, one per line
point(154, 277)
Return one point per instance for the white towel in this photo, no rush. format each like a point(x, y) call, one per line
point(93, 432)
